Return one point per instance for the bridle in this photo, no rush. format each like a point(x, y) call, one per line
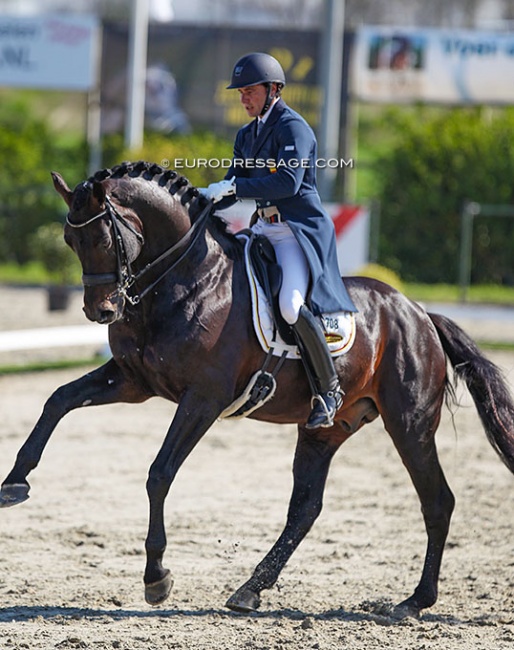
point(124, 277)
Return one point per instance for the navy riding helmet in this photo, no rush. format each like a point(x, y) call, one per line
point(258, 68)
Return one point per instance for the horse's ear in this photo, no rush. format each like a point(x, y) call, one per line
point(98, 191)
point(62, 188)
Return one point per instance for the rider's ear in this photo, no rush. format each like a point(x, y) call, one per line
point(98, 193)
point(61, 187)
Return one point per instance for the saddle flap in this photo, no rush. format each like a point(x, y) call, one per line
point(269, 276)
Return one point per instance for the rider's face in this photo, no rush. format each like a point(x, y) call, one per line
point(253, 98)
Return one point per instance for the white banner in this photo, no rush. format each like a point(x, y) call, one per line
point(352, 224)
point(433, 65)
point(56, 52)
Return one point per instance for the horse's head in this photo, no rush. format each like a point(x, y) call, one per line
point(107, 238)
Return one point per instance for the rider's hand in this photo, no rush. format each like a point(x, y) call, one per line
point(216, 191)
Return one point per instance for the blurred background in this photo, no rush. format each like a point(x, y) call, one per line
point(412, 102)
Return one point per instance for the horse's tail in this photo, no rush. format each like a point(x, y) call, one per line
point(485, 383)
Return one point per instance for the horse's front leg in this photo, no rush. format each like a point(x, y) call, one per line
point(311, 464)
point(106, 385)
point(194, 416)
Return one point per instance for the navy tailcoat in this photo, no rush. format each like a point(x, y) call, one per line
point(278, 168)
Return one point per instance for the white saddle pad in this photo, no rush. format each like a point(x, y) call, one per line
point(339, 327)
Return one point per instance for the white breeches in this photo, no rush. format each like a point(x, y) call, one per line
point(295, 270)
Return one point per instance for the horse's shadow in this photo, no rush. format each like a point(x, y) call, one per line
point(47, 613)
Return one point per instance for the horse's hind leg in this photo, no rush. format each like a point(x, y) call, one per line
point(310, 470)
point(105, 385)
point(416, 446)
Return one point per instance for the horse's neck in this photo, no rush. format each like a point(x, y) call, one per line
point(164, 224)
point(161, 212)
point(167, 222)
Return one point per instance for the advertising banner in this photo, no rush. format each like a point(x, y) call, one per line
point(56, 52)
point(189, 67)
point(433, 65)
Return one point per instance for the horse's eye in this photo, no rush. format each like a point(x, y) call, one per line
point(106, 242)
point(102, 241)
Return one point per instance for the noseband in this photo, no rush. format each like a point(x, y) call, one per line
point(123, 276)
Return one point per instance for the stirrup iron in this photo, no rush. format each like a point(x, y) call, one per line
point(321, 415)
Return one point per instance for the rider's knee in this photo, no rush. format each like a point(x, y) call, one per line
point(290, 308)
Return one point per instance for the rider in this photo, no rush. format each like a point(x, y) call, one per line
point(274, 163)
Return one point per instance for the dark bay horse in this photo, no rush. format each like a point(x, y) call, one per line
point(168, 279)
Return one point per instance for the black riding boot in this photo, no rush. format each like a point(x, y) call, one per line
point(327, 395)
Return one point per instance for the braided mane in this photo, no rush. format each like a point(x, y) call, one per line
point(169, 180)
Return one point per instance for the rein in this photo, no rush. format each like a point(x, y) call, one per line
point(123, 276)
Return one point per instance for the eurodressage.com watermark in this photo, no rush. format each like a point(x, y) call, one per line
point(256, 163)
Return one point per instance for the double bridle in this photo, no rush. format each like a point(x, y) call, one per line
point(124, 277)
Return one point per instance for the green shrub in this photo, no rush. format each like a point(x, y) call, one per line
point(29, 150)
point(194, 156)
point(49, 248)
point(440, 159)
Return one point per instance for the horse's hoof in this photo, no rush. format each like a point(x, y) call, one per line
point(405, 610)
point(157, 592)
point(244, 600)
point(11, 495)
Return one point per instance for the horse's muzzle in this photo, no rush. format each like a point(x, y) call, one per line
point(104, 312)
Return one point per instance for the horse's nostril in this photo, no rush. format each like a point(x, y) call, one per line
point(106, 316)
